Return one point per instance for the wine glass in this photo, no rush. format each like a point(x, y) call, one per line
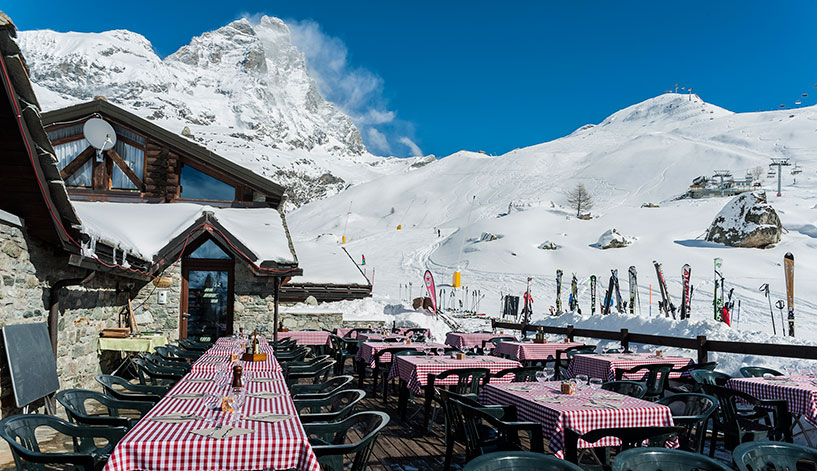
point(583, 379)
point(475, 350)
point(440, 351)
point(595, 385)
point(488, 348)
point(542, 376)
point(550, 372)
point(426, 350)
point(239, 398)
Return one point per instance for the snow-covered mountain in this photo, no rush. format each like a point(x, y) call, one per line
point(243, 90)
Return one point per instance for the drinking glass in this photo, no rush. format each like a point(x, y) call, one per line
point(239, 398)
point(595, 385)
point(440, 351)
point(550, 372)
point(475, 350)
point(426, 351)
point(488, 348)
point(582, 379)
point(542, 376)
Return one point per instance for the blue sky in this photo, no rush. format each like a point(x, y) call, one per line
point(494, 76)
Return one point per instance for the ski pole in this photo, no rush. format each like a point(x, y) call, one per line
point(765, 289)
point(780, 305)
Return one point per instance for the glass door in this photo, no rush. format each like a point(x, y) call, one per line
point(207, 293)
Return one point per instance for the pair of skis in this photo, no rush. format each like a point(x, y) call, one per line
point(573, 299)
point(665, 304)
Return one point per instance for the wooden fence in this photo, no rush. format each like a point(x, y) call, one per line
point(701, 344)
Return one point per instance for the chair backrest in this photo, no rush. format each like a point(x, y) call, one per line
point(664, 459)
point(758, 372)
point(691, 412)
point(524, 374)
point(454, 421)
point(410, 352)
point(20, 432)
point(628, 388)
point(496, 340)
point(777, 456)
point(503, 420)
point(378, 356)
point(630, 437)
point(367, 426)
point(656, 378)
point(336, 407)
point(74, 402)
point(727, 406)
point(709, 377)
point(518, 461)
point(469, 380)
point(711, 365)
point(140, 392)
point(352, 334)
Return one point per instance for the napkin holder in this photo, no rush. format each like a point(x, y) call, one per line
point(540, 340)
point(567, 388)
point(254, 357)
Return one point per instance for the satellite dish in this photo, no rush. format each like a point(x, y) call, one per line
point(99, 134)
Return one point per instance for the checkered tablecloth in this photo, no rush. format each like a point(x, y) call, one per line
point(218, 356)
point(414, 370)
point(233, 341)
point(369, 336)
point(604, 366)
point(155, 446)
point(307, 337)
point(342, 331)
point(467, 340)
point(799, 392)
point(532, 351)
point(367, 350)
point(576, 412)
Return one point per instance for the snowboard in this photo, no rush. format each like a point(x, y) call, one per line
point(558, 291)
point(592, 294)
point(686, 295)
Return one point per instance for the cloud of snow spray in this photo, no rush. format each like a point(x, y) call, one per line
point(355, 90)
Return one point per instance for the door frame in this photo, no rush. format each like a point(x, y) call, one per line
point(206, 264)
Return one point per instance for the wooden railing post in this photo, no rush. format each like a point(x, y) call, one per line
point(703, 357)
point(625, 341)
point(570, 333)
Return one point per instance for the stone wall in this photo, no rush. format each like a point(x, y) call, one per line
point(28, 268)
point(164, 317)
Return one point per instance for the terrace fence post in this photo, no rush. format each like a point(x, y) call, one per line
point(570, 333)
point(625, 340)
point(703, 356)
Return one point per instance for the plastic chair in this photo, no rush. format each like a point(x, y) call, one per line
point(762, 456)
point(496, 340)
point(656, 380)
point(336, 407)
point(524, 374)
point(330, 452)
point(738, 428)
point(691, 412)
point(664, 459)
point(455, 423)
point(147, 372)
point(685, 383)
point(74, 401)
point(317, 373)
point(320, 390)
point(504, 422)
point(710, 377)
point(19, 432)
point(758, 372)
point(382, 369)
point(352, 334)
point(630, 437)
point(138, 392)
point(469, 381)
point(519, 461)
point(296, 354)
point(298, 364)
point(563, 362)
point(190, 344)
point(181, 367)
point(343, 349)
point(628, 388)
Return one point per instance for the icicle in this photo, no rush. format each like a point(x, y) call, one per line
point(125, 263)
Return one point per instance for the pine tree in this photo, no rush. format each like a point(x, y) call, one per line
point(579, 199)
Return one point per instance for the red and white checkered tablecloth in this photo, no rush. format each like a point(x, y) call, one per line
point(799, 392)
point(307, 337)
point(604, 366)
point(370, 336)
point(155, 446)
point(219, 356)
point(367, 350)
point(532, 351)
point(414, 370)
point(462, 340)
point(575, 412)
point(342, 331)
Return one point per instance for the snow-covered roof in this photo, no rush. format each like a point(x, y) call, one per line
point(326, 263)
point(146, 229)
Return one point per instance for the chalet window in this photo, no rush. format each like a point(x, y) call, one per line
point(132, 155)
point(67, 152)
point(198, 185)
point(209, 250)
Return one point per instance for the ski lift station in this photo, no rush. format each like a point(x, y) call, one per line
point(721, 183)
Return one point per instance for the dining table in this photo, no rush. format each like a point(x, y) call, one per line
point(467, 340)
point(604, 365)
point(586, 410)
point(532, 351)
point(187, 430)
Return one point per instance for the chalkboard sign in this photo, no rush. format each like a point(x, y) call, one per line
point(31, 361)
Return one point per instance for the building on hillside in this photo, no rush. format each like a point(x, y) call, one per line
point(192, 243)
point(722, 183)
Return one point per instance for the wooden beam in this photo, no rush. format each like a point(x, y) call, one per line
point(99, 177)
point(66, 139)
point(117, 159)
point(77, 163)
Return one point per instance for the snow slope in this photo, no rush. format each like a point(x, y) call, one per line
point(649, 152)
point(243, 91)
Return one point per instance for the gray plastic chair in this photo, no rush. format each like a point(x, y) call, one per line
point(664, 459)
point(519, 461)
point(762, 456)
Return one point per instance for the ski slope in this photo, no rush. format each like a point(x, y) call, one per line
point(647, 153)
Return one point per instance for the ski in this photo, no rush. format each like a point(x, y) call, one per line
point(788, 265)
point(608, 297)
point(558, 291)
point(617, 291)
point(574, 294)
point(633, 288)
point(592, 294)
point(686, 298)
point(666, 303)
point(717, 300)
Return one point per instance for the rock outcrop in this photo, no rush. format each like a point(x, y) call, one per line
point(748, 220)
